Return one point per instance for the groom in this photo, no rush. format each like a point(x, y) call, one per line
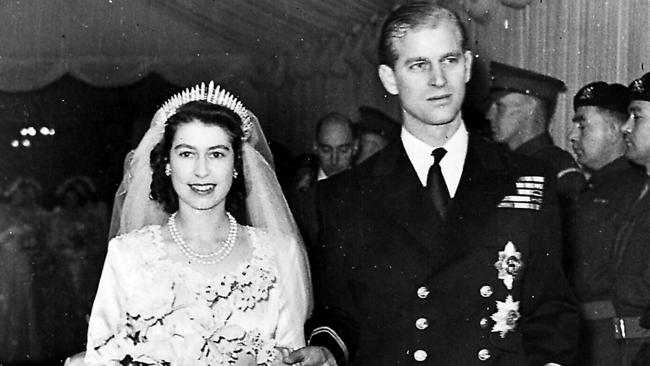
point(438, 257)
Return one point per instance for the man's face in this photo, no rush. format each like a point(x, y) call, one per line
point(507, 113)
point(335, 148)
point(637, 133)
point(594, 137)
point(429, 75)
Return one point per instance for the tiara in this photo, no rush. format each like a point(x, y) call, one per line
point(211, 94)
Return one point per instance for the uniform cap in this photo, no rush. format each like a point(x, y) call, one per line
point(640, 88)
point(506, 78)
point(615, 97)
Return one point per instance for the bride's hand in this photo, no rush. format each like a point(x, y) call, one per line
point(310, 356)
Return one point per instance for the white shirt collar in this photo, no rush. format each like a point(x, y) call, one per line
point(419, 154)
point(322, 175)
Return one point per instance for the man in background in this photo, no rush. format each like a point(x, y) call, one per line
point(631, 295)
point(523, 103)
point(600, 111)
point(335, 147)
point(336, 144)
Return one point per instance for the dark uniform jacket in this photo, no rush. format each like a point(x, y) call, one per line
point(594, 222)
point(301, 200)
point(395, 285)
point(570, 179)
point(631, 296)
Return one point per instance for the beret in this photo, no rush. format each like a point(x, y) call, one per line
point(615, 97)
point(640, 88)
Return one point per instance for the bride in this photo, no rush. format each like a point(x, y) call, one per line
point(187, 282)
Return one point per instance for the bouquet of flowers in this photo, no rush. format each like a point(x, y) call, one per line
point(173, 325)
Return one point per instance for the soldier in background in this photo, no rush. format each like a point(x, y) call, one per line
point(631, 296)
point(600, 111)
point(523, 103)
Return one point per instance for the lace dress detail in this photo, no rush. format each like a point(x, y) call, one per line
point(172, 314)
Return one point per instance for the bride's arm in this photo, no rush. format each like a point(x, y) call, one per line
point(295, 293)
point(109, 302)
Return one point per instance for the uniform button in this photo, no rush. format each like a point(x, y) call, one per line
point(483, 323)
point(422, 323)
point(423, 292)
point(484, 354)
point(486, 291)
point(420, 355)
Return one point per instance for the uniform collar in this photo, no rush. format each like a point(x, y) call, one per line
point(321, 174)
point(535, 144)
point(614, 167)
point(419, 153)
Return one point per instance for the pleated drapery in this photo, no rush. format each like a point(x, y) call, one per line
point(294, 60)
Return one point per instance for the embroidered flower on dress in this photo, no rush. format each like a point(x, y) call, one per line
point(158, 330)
point(509, 264)
point(506, 316)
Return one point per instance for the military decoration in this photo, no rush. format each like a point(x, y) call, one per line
point(637, 86)
point(509, 264)
point(586, 93)
point(506, 317)
point(528, 195)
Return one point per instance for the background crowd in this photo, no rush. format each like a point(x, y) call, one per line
point(50, 263)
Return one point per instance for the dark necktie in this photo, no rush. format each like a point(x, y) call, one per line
point(436, 186)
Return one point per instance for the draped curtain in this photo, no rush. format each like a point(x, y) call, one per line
point(293, 61)
point(577, 41)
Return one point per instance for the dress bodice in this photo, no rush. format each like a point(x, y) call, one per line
point(160, 304)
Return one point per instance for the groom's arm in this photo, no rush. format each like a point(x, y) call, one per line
point(332, 326)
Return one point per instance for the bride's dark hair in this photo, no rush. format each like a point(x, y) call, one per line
point(210, 114)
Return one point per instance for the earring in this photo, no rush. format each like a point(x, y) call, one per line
point(168, 170)
point(235, 174)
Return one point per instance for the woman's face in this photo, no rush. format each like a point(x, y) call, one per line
point(202, 164)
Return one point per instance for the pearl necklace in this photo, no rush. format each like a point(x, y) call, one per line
point(209, 258)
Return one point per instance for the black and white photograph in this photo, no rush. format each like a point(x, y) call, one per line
point(324, 183)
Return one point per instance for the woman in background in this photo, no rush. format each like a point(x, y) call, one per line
point(21, 222)
point(77, 241)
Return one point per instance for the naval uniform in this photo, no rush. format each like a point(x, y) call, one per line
point(570, 179)
point(395, 284)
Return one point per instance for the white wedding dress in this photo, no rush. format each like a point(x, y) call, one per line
point(154, 308)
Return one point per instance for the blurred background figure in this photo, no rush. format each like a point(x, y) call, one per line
point(78, 238)
point(375, 130)
point(523, 103)
point(20, 235)
point(335, 147)
point(336, 144)
point(600, 111)
point(631, 296)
